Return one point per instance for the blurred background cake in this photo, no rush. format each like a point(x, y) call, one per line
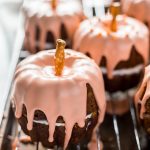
point(142, 101)
point(59, 97)
point(139, 9)
point(50, 20)
point(119, 45)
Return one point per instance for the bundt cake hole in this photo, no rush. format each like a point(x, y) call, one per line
point(63, 32)
point(50, 37)
point(146, 23)
point(103, 62)
point(88, 54)
point(64, 35)
point(38, 33)
point(37, 48)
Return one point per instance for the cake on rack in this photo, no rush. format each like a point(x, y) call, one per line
point(59, 97)
point(140, 9)
point(50, 20)
point(142, 101)
point(119, 45)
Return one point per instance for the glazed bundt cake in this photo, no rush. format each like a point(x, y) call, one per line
point(46, 23)
point(121, 54)
point(57, 108)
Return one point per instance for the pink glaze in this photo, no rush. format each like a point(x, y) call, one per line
point(138, 97)
point(37, 87)
point(42, 15)
point(94, 36)
point(139, 9)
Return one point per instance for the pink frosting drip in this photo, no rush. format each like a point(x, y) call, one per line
point(144, 88)
point(37, 87)
point(139, 9)
point(42, 15)
point(95, 37)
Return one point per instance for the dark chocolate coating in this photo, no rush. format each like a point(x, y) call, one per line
point(80, 136)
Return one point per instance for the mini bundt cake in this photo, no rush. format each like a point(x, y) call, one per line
point(142, 101)
point(121, 54)
point(54, 107)
point(47, 22)
point(140, 9)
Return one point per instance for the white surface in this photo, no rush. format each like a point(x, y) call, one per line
point(10, 29)
point(99, 7)
point(128, 71)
